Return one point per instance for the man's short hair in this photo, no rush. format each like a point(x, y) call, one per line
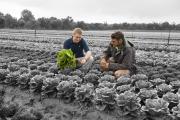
point(77, 30)
point(117, 35)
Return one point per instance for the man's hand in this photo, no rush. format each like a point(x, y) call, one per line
point(120, 73)
point(104, 65)
point(83, 61)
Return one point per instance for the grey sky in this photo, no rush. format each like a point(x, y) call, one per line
point(110, 11)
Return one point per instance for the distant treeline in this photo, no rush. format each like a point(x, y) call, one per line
point(28, 21)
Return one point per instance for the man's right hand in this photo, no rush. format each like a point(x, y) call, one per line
point(103, 64)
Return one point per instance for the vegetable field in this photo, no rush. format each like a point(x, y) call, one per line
point(32, 87)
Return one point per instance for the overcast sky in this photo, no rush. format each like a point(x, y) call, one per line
point(110, 11)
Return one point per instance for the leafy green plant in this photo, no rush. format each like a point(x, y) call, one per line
point(138, 77)
point(123, 88)
point(34, 72)
point(106, 84)
point(36, 83)
point(24, 80)
point(104, 98)
point(142, 84)
point(13, 67)
point(147, 94)
point(33, 66)
point(128, 104)
point(53, 69)
point(156, 109)
point(157, 81)
point(91, 78)
point(49, 87)
point(22, 63)
point(172, 98)
point(95, 71)
point(3, 74)
point(75, 78)
point(163, 89)
point(175, 84)
point(66, 59)
point(84, 94)
point(123, 80)
point(12, 78)
point(77, 72)
point(108, 78)
point(66, 90)
point(43, 68)
point(176, 111)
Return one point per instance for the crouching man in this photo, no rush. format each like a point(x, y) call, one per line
point(80, 48)
point(119, 56)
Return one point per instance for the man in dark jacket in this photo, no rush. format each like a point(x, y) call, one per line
point(119, 56)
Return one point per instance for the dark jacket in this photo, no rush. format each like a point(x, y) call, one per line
point(123, 59)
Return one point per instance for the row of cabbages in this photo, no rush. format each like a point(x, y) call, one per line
point(128, 96)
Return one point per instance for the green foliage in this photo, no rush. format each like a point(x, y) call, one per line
point(128, 104)
point(66, 90)
point(176, 111)
point(156, 107)
point(49, 87)
point(84, 93)
point(66, 59)
point(104, 98)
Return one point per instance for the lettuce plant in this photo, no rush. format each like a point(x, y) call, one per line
point(123, 88)
point(106, 84)
point(176, 111)
point(108, 78)
point(104, 98)
point(84, 94)
point(175, 84)
point(24, 80)
point(147, 94)
point(49, 87)
point(142, 84)
point(124, 80)
point(66, 90)
point(66, 59)
point(91, 78)
point(12, 78)
point(128, 104)
point(36, 83)
point(163, 89)
point(157, 81)
point(156, 107)
point(3, 74)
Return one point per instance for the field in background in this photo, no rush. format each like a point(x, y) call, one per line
point(160, 37)
point(27, 64)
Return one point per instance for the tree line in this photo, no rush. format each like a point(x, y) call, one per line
point(28, 21)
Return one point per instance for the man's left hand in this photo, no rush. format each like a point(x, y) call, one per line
point(83, 61)
point(104, 66)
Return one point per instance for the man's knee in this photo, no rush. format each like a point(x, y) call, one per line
point(120, 73)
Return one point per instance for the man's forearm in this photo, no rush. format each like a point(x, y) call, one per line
point(88, 55)
point(117, 66)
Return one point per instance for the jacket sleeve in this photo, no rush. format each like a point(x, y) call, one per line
point(66, 45)
point(85, 45)
point(107, 53)
point(126, 63)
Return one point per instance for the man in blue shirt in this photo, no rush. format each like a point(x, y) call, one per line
point(80, 48)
